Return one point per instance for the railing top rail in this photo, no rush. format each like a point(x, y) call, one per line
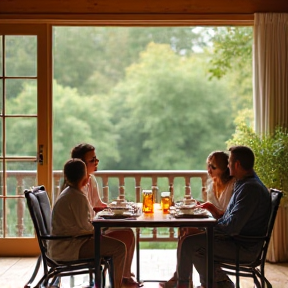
point(147, 173)
point(123, 173)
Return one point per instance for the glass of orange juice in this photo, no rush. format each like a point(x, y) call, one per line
point(165, 201)
point(148, 201)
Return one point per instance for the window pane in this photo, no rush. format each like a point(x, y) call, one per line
point(21, 136)
point(1, 177)
point(18, 224)
point(21, 96)
point(1, 137)
point(1, 218)
point(21, 56)
point(1, 96)
point(20, 176)
point(1, 56)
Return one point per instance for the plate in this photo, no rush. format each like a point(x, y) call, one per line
point(195, 213)
point(111, 215)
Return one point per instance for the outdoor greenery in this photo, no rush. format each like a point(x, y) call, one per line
point(271, 154)
point(147, 97)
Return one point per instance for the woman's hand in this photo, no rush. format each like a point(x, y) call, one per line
point(217, 213)
point(99, 208)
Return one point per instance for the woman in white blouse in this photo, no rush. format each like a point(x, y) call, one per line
point(86, 153)
point(218, 193)
point(219, 185)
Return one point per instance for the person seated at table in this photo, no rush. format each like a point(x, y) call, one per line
point(218, 193)
point(71, 215)
point(86, 152)
point(247, 214)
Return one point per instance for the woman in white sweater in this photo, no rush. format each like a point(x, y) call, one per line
point(218, 193)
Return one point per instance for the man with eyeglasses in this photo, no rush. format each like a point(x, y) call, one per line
point(247, 214)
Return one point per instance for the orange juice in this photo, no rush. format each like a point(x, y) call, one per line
point(148, 201)
point(165, 201)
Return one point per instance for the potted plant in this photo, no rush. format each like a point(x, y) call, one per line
point(271, 165)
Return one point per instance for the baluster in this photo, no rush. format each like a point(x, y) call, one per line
point(171, 189)
point(154, 233)
point(121, 188)
point(171, 233)
point(20, 209)
point(138, 189)
point(187, 187)
point(204, 184)
point(105, 189)
point(204, 194)
point(57, 189)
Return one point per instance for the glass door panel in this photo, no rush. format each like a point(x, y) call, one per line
point(21, 73)
point(19, 128)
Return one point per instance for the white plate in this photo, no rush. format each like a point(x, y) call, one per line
point(195, 211)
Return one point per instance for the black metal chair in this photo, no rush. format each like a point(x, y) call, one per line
point(40, 211)
point(254, 269)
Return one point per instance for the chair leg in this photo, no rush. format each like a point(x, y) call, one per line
point(35, 272)
point(268, 284)
point(56, 281)
point(237, 268)
point(91, 281)
point(103, 274)
point(111, 273)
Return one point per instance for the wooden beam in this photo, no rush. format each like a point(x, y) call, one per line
point(141, 6)
point(132, 19)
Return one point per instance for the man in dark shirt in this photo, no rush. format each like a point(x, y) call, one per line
point(247, 214)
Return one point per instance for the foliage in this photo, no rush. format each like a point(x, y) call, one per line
point(76, 119)
point(232, 49)
point(271, 154)
point(232, 59)
point(99, 56)
point(166, 113)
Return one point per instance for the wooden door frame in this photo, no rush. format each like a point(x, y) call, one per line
point(29, 246)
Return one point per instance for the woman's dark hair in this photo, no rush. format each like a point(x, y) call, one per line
point(74, 171)
point(244, 155)
point(79, 152)
point(221, 161)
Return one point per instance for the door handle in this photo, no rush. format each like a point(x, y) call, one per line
point(40, 155)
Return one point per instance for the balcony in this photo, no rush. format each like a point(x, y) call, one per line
point(127, 184)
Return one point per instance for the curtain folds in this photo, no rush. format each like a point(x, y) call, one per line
point(271, 101)
point(270, 71)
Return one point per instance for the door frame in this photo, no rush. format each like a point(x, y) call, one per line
point(29, 246)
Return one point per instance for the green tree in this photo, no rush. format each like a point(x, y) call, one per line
point(232, 59)
point(94, 59)
point(76, 119)
point(169, 115)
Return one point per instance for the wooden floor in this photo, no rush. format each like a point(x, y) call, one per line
point(15, 272)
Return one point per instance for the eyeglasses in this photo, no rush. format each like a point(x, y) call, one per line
point(93, 160)
point(211, 166)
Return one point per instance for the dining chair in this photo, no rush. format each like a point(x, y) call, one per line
point(40, 212)
point(256, 268)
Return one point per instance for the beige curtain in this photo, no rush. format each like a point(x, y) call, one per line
point(271, 101)
point(270, 71)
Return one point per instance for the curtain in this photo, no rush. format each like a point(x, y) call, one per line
point(270, 71)
point(271, 101)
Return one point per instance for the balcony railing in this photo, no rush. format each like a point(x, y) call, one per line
point(154, 177)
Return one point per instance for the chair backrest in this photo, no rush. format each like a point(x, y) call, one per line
point(275, 201)
point(40, 212)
